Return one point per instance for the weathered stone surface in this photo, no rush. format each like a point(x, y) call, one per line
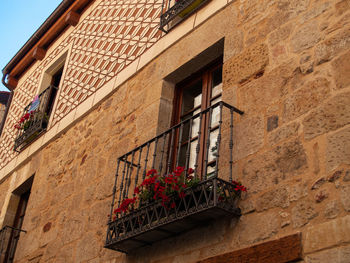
point(274, 198)
point(269, 224)
point(233, 44)
point(87, 247)
point(338, 149)
point(316, 158)
point(247, 206)
point(250, 132)
point(332, 115)
point(307, 36)
point(341, 69)
point(274, 166)
point(306, 98)
point(272, 123)
point(320, 196)
point(335, 176)
point(268, 89)
point(297, 191)
point(327, 234)
point(315, 11)
point(342, 7)
point(283, 132)
point(332, 209)
point(345, 197)
point(245, 65)
point(329, 48)
point(347, 176)
point(334, 255)
point(280, 34)
point(302, 213)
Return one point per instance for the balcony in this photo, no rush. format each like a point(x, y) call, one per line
point(35, 118)
point(175, 11)
point(9, 237)
point(204, 142)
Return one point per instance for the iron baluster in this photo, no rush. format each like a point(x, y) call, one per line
point(131, 168)
point(231, 143)
point(146, 160)
point(206, 154)
point(218, 141)
point(179, 144)
point(188, 146)
point(122, 181)
point(138, 168)
point(155, 152)
point(162, 156)
point(114, 191)
point(171, 150)
point(198, 146)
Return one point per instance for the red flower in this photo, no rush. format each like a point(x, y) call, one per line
point(190, 171)
point(137, 190)
point(172, 205)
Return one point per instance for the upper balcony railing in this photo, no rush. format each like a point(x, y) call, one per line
point(9, 237)
point(175, 11)
point(202, 143)
point(35, 118)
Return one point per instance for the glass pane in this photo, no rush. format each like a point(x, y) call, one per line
point(213, 147)
point(217, 82)
point(215, 116)
point(193, 154)
point(192, 97)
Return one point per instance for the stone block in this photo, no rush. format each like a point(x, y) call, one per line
point(316, 10)
point(282, 133)
point(274, 165)
point(250, 62)
point(327, 234)
point(305, 37)
point(334, 255)
point(88, 247)
point(272, 123)
point(332, 115)
point(254, 228)
point(248, 136)
point(306, 98)
point(268, 89)
point(338, 149)
point(341, 69)
point(298, 191)
point(280, 34)
point(275, 198)
point(345, 197)
point(302, 213)
point(331, 210)
point(332, 46)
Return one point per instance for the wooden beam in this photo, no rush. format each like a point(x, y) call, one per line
point(12, 82)
point(39, 53)
point(285, 249)
point(72, 18)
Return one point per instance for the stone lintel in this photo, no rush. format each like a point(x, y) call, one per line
point(285, 249)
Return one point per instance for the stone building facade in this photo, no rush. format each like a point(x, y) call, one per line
point(285, 64)
point(4, 96)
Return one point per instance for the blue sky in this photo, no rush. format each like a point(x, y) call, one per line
point(19, 19)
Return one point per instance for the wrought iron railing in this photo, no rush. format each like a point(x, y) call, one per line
point(9, 237)
point(38, 113)
point(175, 11)
point(203, 142)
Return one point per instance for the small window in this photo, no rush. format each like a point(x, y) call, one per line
point(13, 231)
point(194, 95)
point(36, 115)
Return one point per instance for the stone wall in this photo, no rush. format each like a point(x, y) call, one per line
point(286, 66)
